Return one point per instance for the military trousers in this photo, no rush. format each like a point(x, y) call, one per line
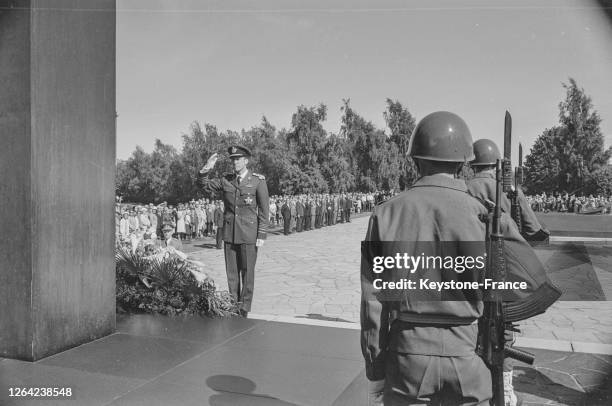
point(240, 268)
point(431, 380)
point(219, 237)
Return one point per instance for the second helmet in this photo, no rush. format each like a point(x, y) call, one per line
point(485, 152)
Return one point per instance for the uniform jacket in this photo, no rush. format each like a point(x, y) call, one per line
point(286, 212)
point(218, 217)
point(437, 208)
point(247, 205)
point(482, 185)
point(299, 208)
point(348, 203)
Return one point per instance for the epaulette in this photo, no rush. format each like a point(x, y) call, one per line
point(259, 176)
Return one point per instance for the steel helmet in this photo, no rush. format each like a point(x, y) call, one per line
point(486, 153)
point(441, 136)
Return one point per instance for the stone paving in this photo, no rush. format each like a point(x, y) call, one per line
point(315, 274)
point(560, 378)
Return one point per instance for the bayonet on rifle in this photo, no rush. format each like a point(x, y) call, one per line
point(510, 190)
point(492, 324)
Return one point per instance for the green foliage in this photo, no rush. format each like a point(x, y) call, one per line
point(565, 156)
point(166, 286)
point(146, 177)
point(402, 124)
point(375, 158)
point(600, 181)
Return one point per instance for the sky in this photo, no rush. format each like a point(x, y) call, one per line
point(228, 63)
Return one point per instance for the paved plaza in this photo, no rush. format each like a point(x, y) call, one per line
point(300, 345)
point(315, 275)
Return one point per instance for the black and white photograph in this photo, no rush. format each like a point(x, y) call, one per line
point(306, 202)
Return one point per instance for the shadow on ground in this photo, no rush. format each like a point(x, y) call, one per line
point(236, 390)
point(316, 316)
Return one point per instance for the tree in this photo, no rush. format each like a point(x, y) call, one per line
point(600, 181)
point(271, 154)
point(308, 134)
point(402, 124)
point(134, 177)
point(563, 157)
point(336, 167)
point(374, 158)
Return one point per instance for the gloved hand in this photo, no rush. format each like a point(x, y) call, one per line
point(375, 392)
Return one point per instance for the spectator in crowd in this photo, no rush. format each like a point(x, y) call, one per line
point(194, 221)
point(124, 226)
point(278, 211)
point(180, 222)
point(188, 224)
point(210, 217)
point(348, 204)
point(143, 218)
point(272, 212)
point(286, 212)
point(299, 215)
point(153, 220)
point(133, 222)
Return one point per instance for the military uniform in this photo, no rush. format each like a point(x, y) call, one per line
point(299, 220)
point(245, 220)
point(219, 222)
point(482, 185)
point(425, 349)
point(286, 212)
point(348, 204)
point(307, 216)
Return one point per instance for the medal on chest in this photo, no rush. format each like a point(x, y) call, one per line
point(248, 200)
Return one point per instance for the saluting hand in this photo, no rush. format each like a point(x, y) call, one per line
point(210, 163)
point(259, 243)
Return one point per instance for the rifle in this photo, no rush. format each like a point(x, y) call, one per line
point(492, 324)
point(512, 193)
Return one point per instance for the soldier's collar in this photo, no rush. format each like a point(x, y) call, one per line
point(441, 181)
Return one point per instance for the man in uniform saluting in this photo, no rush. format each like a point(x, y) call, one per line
point(245, 221)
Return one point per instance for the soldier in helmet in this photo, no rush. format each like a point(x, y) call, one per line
point(245, 221)
point(482, 185)
point(419, 351)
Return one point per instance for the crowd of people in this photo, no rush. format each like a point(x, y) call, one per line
point(566, 203)
point(142, 225)
point(307, 212)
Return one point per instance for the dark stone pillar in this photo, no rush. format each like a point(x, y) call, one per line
point(57, 162)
